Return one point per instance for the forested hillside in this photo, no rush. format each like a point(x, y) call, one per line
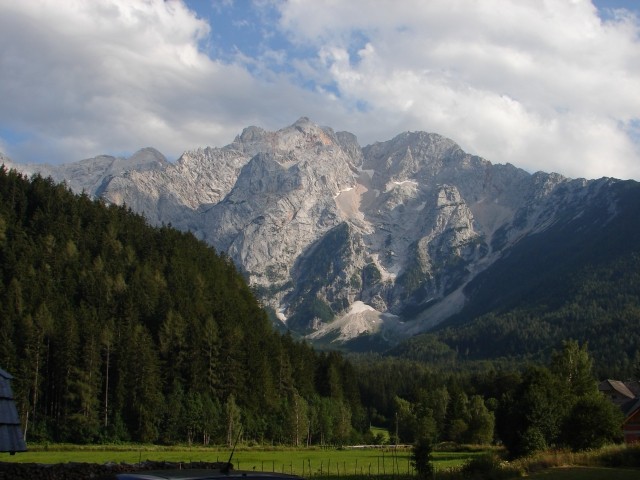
point(578, 279)
point(118, 331)
point(552, 405)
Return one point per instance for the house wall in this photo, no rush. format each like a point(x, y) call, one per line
point(631, 428)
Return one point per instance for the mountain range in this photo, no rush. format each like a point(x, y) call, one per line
point(363, 247)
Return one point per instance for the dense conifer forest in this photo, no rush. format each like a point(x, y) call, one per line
point(116, 331)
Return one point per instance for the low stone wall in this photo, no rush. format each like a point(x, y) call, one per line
point(89, 471)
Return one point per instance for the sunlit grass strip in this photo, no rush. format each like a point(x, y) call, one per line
point(306, 462)
point(609, 456)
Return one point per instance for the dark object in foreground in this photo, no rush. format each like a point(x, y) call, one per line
point(199, 474)
point(108, 471)
point(11, 439)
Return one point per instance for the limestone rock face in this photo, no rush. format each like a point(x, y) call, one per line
point(340, 241)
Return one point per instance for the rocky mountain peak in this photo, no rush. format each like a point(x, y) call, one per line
point(146, 158)
point(413, 156)
point(336, 239)
point(303, 135)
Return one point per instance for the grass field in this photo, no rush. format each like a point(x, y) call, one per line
point(382, 432)
point(307, 462)
point(347, 463)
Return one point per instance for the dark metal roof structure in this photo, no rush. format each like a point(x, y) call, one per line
point(11, 439)
point(616, 385)
point(630, 408)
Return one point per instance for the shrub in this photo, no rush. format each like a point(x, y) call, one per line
point(623, 456)
point(421, 459)
point(488, 467)
point(532, 441)
point(592, 422)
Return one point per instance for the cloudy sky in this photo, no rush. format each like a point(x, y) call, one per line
point(549, 85)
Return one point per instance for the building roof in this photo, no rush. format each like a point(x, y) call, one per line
point(630, 408)
point(616, 385)
point(11, 439)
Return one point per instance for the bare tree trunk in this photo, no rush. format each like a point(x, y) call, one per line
point(34, 397)
point(26, 425)
point(106, 390)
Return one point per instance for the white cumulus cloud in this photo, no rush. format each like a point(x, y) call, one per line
point(80, 78)
point(544, 84)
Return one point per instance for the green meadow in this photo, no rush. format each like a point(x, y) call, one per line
point(612, 462)
point(307, 462)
